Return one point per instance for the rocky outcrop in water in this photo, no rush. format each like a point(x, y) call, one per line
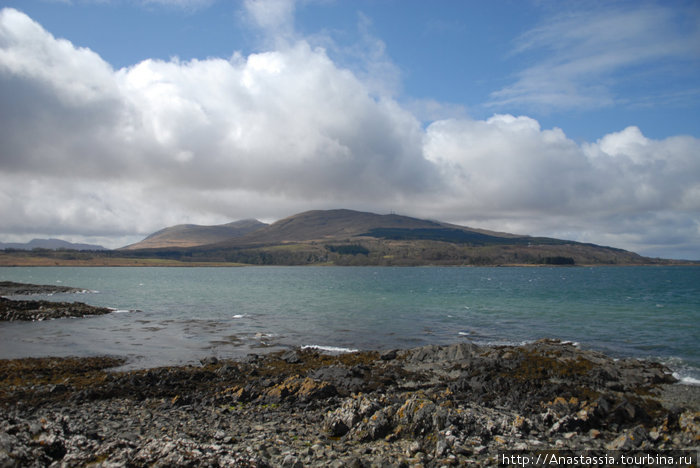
point(42, 310)
point(36, 310)
point(433, 406)
point(10, 288)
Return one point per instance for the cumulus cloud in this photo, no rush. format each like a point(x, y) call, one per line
point(624, 189)
point(494, 164)
point(288, 122)
point(93, 151)
point(281, 123)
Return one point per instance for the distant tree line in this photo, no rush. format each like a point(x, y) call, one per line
point(352, 249)
point(558, 261)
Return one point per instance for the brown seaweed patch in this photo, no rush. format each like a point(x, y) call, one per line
point(533, 365)
point(30, 378)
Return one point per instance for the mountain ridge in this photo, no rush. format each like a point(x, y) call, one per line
point(51, 244)
point(319, 225)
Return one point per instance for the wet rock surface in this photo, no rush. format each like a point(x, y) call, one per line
point(11, 310)
point(36, 310)
point(10, 288)
point(434, 406)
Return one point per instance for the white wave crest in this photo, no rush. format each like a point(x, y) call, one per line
point(330, 349)
point(686, 379)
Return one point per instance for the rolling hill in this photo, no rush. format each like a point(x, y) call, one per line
point(191, 235)
point(347, 237)
point(319, 225)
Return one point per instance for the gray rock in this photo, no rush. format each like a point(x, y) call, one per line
point(445, 405)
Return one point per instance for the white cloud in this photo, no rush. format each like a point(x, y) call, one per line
point(182, 3)
point(508, 164)
point(288, 122)
point(283, 123)
point(430, 110)
point(88, 150)
point(274, 17)
point(507, 173)
point(578, 56)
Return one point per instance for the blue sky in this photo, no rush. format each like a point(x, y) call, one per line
point(571, 119)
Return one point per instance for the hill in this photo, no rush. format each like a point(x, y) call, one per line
point(191, 235)
point(341, 237)
point(318, 225)
point(346, 237)
point(347, 225)
point(51, 244)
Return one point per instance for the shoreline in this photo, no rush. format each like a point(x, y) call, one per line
point(434, 405)
point(156, 263)
point(78, 259)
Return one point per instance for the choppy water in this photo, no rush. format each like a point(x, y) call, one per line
point(180, 315)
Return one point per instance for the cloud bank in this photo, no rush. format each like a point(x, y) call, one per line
point(95, 153)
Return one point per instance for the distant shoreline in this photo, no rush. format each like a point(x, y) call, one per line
point(24, 260)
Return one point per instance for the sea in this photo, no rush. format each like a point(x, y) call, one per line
point(174, 316)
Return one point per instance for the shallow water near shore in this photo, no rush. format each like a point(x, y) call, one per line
point(178, 315)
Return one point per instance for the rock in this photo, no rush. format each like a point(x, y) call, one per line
point(291, 462)
point(336, 427)
point(290, 357)
point(689, 422)
point(625, 411)
point(11, 310)
point(210, 361)
point(9, 288)
point(462, 352)
point(417, 408)
point(419, 416)
point(521, 424)
point(377, 426)
point(629, 440)
point(353, 410)
point(440, 448)
point(297, 388)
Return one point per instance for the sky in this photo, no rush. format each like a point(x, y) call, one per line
point(571, 119)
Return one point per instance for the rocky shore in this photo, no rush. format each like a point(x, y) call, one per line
point(434, 406)
point(35, 310)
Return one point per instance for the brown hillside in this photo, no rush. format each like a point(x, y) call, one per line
point(347, 237)
point(192, 235)
point(337, 225)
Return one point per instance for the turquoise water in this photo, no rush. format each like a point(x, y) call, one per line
point(179, 315)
